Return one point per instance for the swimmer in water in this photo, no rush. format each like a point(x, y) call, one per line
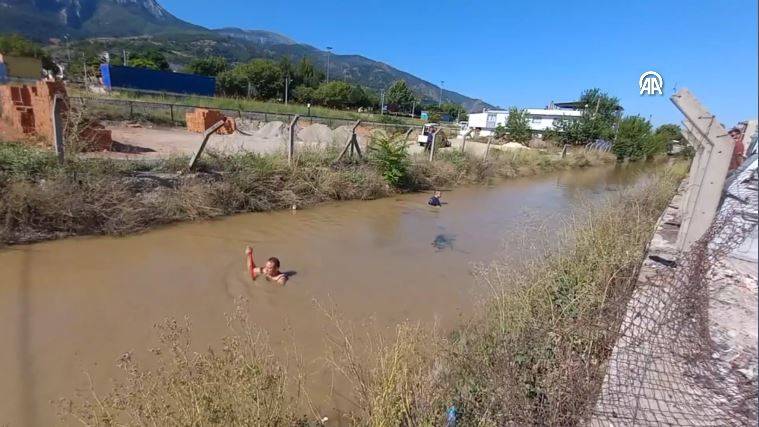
point(270, 270)
point(435, 199)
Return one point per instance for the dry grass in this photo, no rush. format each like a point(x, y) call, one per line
point(239, 385)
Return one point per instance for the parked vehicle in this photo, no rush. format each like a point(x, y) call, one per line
point(426, 136)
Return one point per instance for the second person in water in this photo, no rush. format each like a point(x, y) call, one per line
point(435, 199)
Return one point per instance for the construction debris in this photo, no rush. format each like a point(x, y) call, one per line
point(200, 119)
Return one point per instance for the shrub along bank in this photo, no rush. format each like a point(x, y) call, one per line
point(40, 199)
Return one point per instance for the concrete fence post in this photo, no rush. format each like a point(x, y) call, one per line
point(433, 146)
point(58, 137)
point(702, 149)
point(715, 167)
point(291, 140)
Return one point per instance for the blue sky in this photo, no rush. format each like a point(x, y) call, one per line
point(527, 53)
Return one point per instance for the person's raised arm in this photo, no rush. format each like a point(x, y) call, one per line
point(251, 263)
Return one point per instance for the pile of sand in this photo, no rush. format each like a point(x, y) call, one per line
point(247, 125)
point(513, 146)
point(272, 130)
point(317, 133)
point(341, 134)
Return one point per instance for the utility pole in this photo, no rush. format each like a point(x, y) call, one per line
point(440, 100)
point(249, 88)
point(329, 53)
point(126, 57)
point(413, 107)
point(382, 101)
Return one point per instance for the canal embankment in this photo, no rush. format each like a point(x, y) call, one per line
point(42, 199)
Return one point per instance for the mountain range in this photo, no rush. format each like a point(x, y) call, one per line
point(121, 24)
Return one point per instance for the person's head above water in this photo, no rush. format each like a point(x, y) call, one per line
point(438, 194)
point(272, 265)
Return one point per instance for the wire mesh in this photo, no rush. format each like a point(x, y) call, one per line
point(667, 368)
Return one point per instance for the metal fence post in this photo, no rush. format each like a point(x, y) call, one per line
point(56, 107)
point(171, 109)
point(487, 148)
point(408, 132)
point(131, 110)
point(291, 142)
point(207, 134)
point(352, 143)
point(463, 141)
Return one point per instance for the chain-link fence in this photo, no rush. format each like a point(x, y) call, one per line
point(173, 114)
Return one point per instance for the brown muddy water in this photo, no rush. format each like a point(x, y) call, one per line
point(74, 306)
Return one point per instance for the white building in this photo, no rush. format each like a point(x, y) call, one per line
point(541, 119)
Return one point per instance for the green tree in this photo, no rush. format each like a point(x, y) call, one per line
point(149, 58)
point(359, 97)
point(262, 77)
point(666, 135)
point(232, 82)
point(335, 94)
point(599, 116)
point(568, 131)
point(669, 132)
point(305, 74)
point(518, 126)
point(208, 66)
point(634, 139)
point(304, 94)
point(265, 76)
point(453, 110)
point(401, 95)
point(143, 63)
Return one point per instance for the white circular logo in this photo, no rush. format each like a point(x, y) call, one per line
point(651, 83)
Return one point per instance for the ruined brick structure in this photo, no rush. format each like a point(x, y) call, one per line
point(27, 109)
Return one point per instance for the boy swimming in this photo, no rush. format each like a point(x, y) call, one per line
point(435, 199)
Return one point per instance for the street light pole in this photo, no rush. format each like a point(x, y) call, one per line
point(329, 53)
